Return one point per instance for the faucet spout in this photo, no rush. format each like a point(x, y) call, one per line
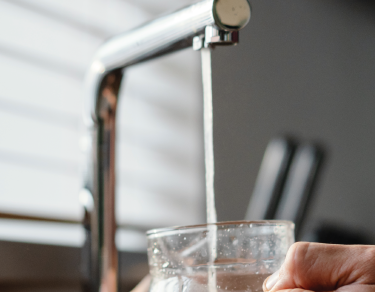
point(219, 22)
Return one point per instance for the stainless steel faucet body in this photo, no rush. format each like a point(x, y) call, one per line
point(209, 23)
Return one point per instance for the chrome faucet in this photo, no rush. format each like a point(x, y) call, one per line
point(205, 24)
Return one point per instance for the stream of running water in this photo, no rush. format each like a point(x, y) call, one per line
point(209, 164)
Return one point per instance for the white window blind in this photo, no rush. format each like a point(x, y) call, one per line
point(45, 48)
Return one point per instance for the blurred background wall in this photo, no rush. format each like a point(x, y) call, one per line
point(304, 68)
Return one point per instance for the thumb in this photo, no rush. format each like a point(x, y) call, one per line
point(323, 267)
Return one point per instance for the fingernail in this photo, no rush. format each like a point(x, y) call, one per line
point(271, 281)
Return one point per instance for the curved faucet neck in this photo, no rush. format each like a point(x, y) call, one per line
point(156, 38)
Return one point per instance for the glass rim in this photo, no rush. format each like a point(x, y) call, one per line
point(158, 231)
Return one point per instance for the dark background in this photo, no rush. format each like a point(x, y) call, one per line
point(307, 69)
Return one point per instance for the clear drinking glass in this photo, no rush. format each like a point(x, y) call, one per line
point(247, 252)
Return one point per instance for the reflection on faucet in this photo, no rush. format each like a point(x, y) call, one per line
point(209, 23)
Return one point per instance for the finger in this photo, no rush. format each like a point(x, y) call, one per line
point(285, 290)
point(296, 290)
point(323, 267)
point(144, 285)
point(357, 288)
point(350, 288)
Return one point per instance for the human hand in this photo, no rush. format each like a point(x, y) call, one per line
point(144, 285)
point(312, 267)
